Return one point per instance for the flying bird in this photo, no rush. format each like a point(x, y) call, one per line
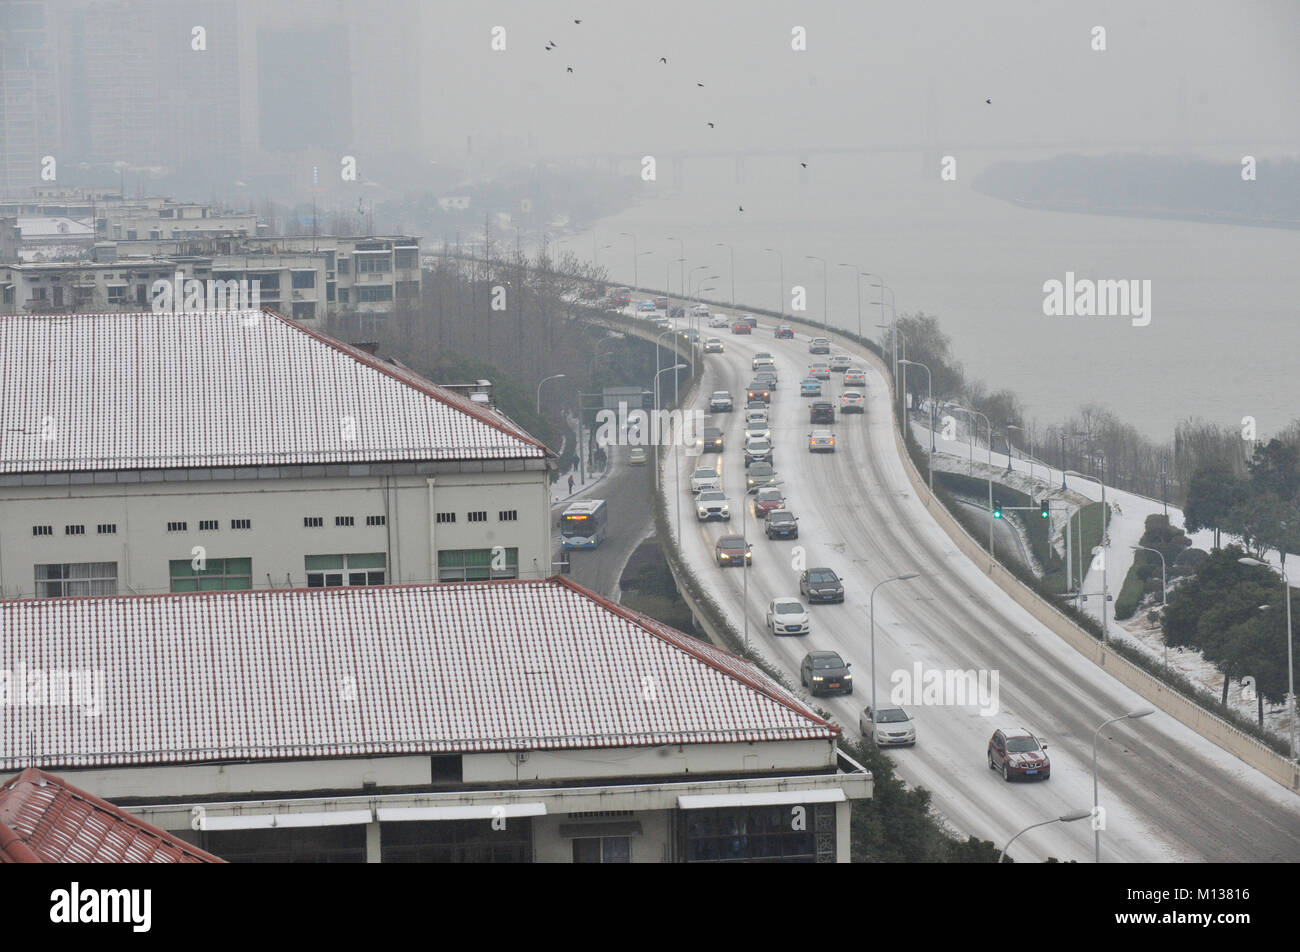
point(701, 85)
point(570, 69)
point(804, 164)
point(989, 101)
point(710, 125)
point(742, 208)
point(663, 59)
point(577, 21)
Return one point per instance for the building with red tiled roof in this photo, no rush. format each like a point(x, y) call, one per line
point(490, 720)
point(231, 450)
point(44, 819)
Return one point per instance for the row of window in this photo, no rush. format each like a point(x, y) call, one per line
point(480, 515)
point(209, 525)
point(104, 528)
point(212, 525)
point(68, 579)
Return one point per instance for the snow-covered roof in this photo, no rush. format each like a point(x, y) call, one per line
point(368, 671)
point(221, 388)
point(45, 819)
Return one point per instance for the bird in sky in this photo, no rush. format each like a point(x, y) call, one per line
point(989, 101)
point(570, 69)
point(663, 59)
point(577, 21)
point(742, 207)
point(804, 164)
point(701, 85)
point(710, 125)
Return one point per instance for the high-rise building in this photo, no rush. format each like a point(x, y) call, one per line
point(29, 92)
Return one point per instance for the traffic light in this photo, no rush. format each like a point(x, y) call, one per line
point(1043, 510)
point(997, 509)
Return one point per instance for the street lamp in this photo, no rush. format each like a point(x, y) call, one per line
point(1105, 632)
point(628, 234)
point(990, 426)
point(654, 428)
point(1164, 589)
point(1096, 826)
point(1290, 667)
point(1068, 818)
point(781, 290)
point(1024, 432)
point(896, 578)
point(539, 390)
point(929, 385)
point(825, 309)
point(859, 275)
point(721, 244)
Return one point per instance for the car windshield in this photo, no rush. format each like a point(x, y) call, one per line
point(893, 715)
point(721, 395)
point(758, 444)
point(733, 543)
point(765, 494)
point(713, 495)
point(829, 661)
point(1021, 745)
point(779, 515)
point(760, 469)
point(789, 608)
point(705, 473)
point(712, 433)
point(821, 576)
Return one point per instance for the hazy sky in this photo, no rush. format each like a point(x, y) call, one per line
point(865, 75)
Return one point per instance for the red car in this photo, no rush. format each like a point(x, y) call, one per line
point(1017, 753)
point(784, 332)
point(741, 328)
point(769, 498)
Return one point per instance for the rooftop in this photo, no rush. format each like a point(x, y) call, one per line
point(165, 390)
point(466, 667)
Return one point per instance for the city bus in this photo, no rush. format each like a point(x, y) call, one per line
point(583, 525)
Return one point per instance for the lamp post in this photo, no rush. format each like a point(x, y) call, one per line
point(990, 426)
point(1290, 666)
point(825, 300)
point(722, 244)
point(1096, 827)
point(1024, 432)
point(781, 290)
point(1164, 590)
point(896, 578)
point(929, 385)
point(857, 281)
point(653, 434)
point(1105, 632)
point(539, 390)
point(1164, 497)
point(628, 234)
point(1068, 818)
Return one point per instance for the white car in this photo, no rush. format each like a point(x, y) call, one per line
point(712, 504)
point(718, 320)
point(705, 478)
point(890, 727)
point(755, 416)
point(841, 362)
point(758, 451)
point(758, 430)
point(787, 616)
point(699, 309)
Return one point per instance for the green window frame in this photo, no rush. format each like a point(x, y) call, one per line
point(217, 575)
point(475, 565)
point(356, 568)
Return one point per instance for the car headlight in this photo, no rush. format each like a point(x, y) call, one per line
point(817, 677)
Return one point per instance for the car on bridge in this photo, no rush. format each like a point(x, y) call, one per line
point(733, 550)
point(764, 360)
point(821, 585)
point(787, 616)
point(841, 362)
point(713, 345)
point(852, 402)
point(759, 475)
point(661, 303)
point(810, 387)
point(821, 441)
point(646, 305)
point(820, 371)
point(855, 378)
point(821, 411)
point(719, 320)
point(887, 727)
point(712, 504)
point(819, 345)
point(752, 405)
point(768, 499)
point(739, 328)
point(699, 308)
point(768, 377)
point(720, 401)
point(1017, 753)
point(756, 414)
point(711, 437)
point(705, 478)
point(758, 451)
point(781, 524)
point(636, 456)
point(758, 390)
point(677, 311)
point(758, 430)
point(784, 332)
point(825, 672)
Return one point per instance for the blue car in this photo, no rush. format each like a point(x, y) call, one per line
point(810, 387)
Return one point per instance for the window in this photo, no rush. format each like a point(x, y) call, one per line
point(379, 262)
point(312, 522)
point(304, 279)
point(116, 293)
point(455, 841)
point(508, 515)
point(759, 834)
point(177, 526)
point(74, 530)
point(304, 310)
point(207, 525)
point(376, 520)
point(49, 530)
point(357, 569)
point(131, 234)
point(406, 258)
point(76, 578)
point(344, 520)
point(479, 516)
point(467, 565)
point(241, 523)
point(108, 528)
point(343, 268)
point(382, 292)
point(268, 280)
point(85, 294)
point(217, 575)
point(446, 517)
point(329, 290)
point(343, 295)
point(407, 290)
point(603, 849)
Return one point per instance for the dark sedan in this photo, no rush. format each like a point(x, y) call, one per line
point(825, 672)
point(821, 585)
point(781, 524)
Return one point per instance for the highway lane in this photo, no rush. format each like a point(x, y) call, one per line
point(1170, 795)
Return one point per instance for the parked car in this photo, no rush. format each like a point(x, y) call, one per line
point(855, 378)
point(1017, 753)
point(719, 320)
point(784, 332)
point(841, 362)
point(712, 504)
point(821, 411)
point(825, 672)
point(821, 585)
point(820, 371)
point(781, 524)
point(757, 390)
point(733, 550)
point(821, 441)
point(713, 345)
point(767, 499)
point(759, 475)
point(762, 359)
point(852, 402)
point(758, 451)
point(810, 387)
point(819, 345)
point(739, 328)
point(636, 456)
point(711, 437)
point(888, 727)
point(720, 401)
point(705, 478)
point(787, 616)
